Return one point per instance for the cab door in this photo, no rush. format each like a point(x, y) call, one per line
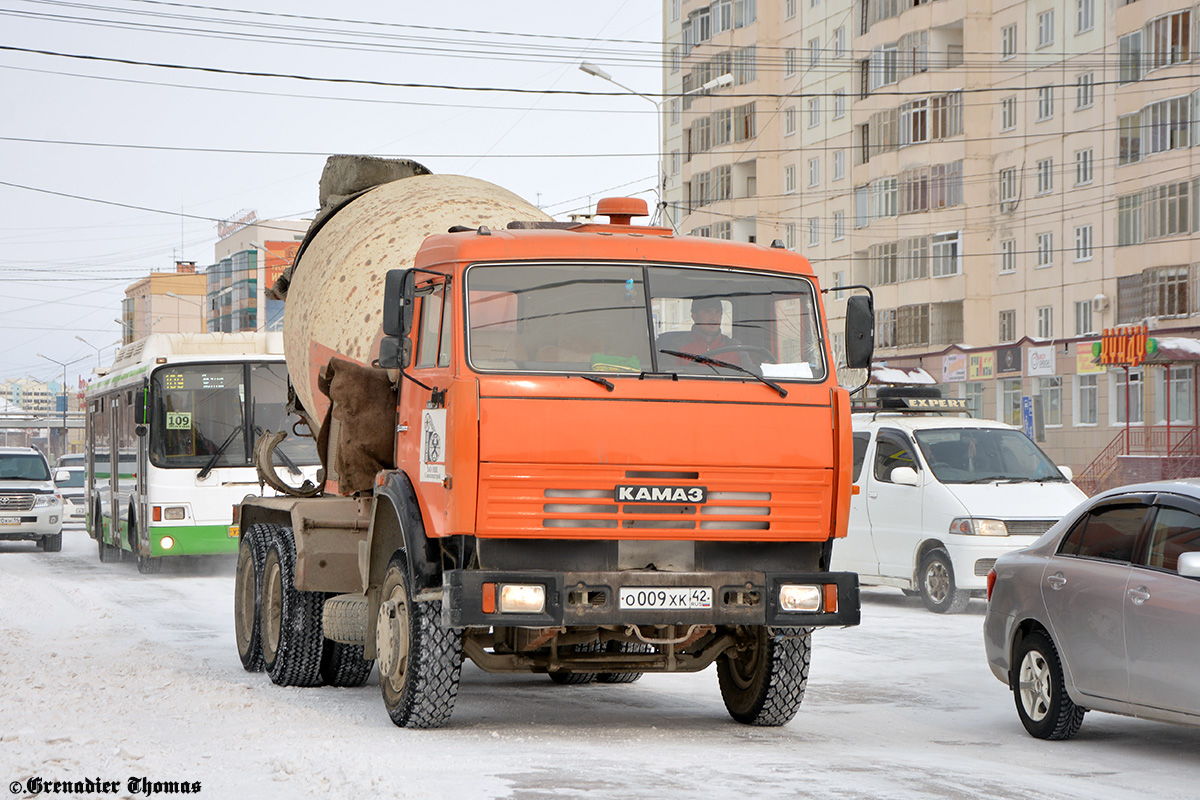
point(856, 552)
point(894, 510)
point(425, 430)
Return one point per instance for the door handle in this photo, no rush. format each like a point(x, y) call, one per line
point(1139, 595)
point(1056, 581)
point(872, 495)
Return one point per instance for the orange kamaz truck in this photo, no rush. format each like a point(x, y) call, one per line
point(591, 450)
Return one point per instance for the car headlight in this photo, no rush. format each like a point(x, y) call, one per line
point(46, 500)
point(971, 526)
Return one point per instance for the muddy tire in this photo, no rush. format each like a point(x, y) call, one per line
point(290, 620)
point(624, 647)
point(420, 662)
point(344, 665)
point(247, 595)
point(52, 543)
point(935, 579)
point(763, 683)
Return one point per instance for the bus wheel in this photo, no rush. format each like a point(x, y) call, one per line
point(247, 595)
point(108, 553)
point(763, 682)
point(419, 661)
point(290, 620)
point(148, 565)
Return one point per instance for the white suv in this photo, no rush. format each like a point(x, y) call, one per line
point(940, 498)
point(31, 508)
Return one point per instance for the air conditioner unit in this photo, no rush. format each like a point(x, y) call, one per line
point(1099, 303)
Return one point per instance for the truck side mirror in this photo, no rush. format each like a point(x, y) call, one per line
point(141, 406)
point(395, 352)
point(860, 331)
point(399, 292)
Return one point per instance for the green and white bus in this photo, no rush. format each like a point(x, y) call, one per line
point(179, 414)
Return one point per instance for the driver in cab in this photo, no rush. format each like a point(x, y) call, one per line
point(705, 337)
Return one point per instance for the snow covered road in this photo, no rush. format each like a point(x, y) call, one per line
point(108, 674)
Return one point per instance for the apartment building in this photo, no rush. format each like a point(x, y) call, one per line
point(250, 255)
point(1010, 179)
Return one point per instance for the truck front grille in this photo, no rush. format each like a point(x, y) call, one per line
point(542, 500)
point(15, 502)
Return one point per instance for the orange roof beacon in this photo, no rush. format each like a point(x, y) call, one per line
point(591, 450)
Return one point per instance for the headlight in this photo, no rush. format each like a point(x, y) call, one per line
point(979, 527)
point(799, 598)
point(166, 543)
point(45, 500)
point(520, 598)
point(173, 513)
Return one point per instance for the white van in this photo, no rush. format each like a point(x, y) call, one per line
point(940, 498)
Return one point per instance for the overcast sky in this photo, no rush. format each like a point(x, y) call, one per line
point(65, 262)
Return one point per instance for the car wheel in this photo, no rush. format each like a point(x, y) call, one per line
point(935, 580)
point(52, 543)
point(1040, 691)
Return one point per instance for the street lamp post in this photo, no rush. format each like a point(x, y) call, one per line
point(94, 347)
point(63, 364)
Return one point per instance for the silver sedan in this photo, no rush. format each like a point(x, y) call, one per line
point(1103, 612)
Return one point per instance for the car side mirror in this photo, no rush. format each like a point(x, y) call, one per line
point(1067, 472)
point(860, 331)
point(1189, 565)
point(905, 476)
point(62, 475)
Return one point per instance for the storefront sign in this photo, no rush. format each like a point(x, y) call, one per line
point(1085, 359)
point(1040, 361)
point(1008, 359)
point(982, 366)
point(954, 367)
point(1126, 346)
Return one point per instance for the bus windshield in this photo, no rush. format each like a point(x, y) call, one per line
point(202, 411)
point(631, 318)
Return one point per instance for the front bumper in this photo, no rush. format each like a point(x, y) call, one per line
point(973, 556)
point(590, 598)
point(31, 525)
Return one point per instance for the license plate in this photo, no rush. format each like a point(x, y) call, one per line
point(10, 520)
point(670, 599)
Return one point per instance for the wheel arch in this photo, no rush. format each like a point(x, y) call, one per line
point(923, 549)
point(1019, 632)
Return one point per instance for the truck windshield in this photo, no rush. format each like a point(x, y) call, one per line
point(618, 318)
point(983, 455)
point(198, 410)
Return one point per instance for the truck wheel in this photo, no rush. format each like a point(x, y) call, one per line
point(564, 678)
point(936, 582)
point(624, 647)
point(247, 595)
point(344, 665)
point(290, 620)
point(52, 543)
point(419, 661)
point(1040, 691)
point(763, 683)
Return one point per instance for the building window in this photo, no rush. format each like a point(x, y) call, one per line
point(1008, 113)
point(789, 121)
point(1050, 390)
point(1087, 399)
point(675, 10)
point(1167, 124)
point(1010, 401)
point(1129, 49)
point(1045, 175)
point(839, 225)
point(1083, 317)
point(1045, 249)
point(1085, 91)
point(945, 251)
point(1008, 256)
point(839, 164)
point(1008, 189)
point(1166, 291)
point(1045, 322)
point(814, 112)
point(1135, 404)
point(1129, 219)
point(789, 180)
point(1083, 242)
point(789, 61)
point(743, 123)
point(789, 9)
point(839, 103)
point(1045, 23)
point(1045, 95)
point(1179, 389)
point(814, 172)
point(1008, 41)
point(814, 52)
point(972, 391)
point(790, 235)
point(885, 263)
point(839, 42)
point(1129, 133)
point(675, 162)
point(1008, 325)
point(912, 325)
point(885, 328)
point(1168, 40)
point(862, 206)
point(1085, 15)
point(814, 231)
point(1083, 167)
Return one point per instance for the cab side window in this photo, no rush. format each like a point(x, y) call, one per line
point(1175, 532)
point(1107, 533)
point(433, 327)
point(891, 451)
point(861, 440)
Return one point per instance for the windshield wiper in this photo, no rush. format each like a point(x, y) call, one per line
point(202, 474)
point(605, 382)
point(985, 479)
point(716, 362)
